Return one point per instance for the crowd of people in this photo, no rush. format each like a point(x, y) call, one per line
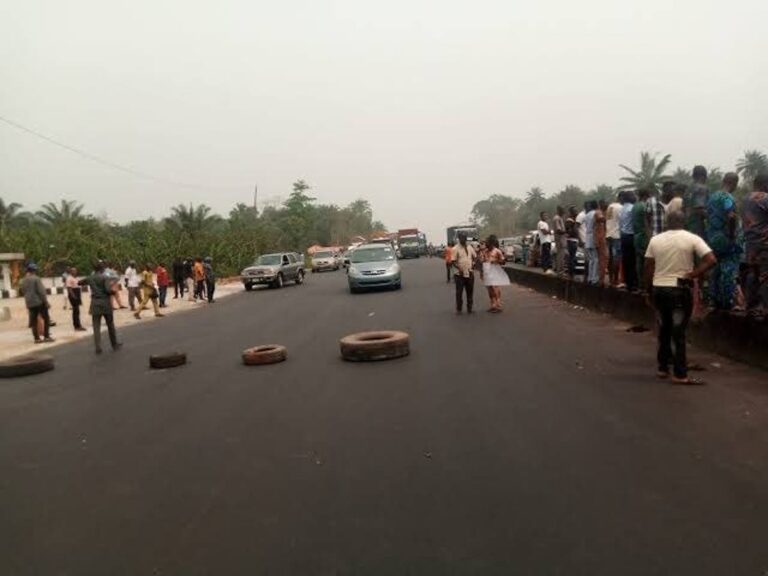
point(614, 238)
point(143, 286)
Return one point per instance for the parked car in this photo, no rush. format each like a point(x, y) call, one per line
point(274, 270)
point(512, 248)
point(373, 266)
point(325, 260)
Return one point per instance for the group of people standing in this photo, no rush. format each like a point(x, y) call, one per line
point(485, 259)
point(144, 286)
point(615, 237)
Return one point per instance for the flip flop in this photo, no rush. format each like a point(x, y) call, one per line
point(662, 375)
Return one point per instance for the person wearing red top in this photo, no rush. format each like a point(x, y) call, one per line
point(162, 283)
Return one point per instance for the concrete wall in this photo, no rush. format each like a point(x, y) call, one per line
point(731, 335)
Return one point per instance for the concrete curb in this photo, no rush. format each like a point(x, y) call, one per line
point(734, 336)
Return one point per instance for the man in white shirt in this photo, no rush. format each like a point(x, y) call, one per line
point(669, 273)
point(613, 234)
point(545, 240)
point(590, 248)
point(580, 225)
point(132, 283)
point(463, 258)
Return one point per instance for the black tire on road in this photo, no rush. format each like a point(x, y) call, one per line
point(248, 287)
point(268, 354)
point(278, 281)
point(172, 360)
point(26, 366)
point(374, 346)
point(300, 277)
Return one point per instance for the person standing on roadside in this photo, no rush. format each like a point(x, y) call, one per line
point(102, 286)
point(162, 284)
point(655, 213)
point(178, 278)
point(561, 241)
point(545, 240)
point(199, 275)
point(669, 273)
point(494, 275)
point(36, 300)
point(627, 230)
point(590, 247)
point(189, 278)
point(613, 237)
point(210, 278)
point(642, 233)
point(149, 292)
point(755, 217)
point(695, 203)
point(722, 237)
point(75, 297)
point(463, 258)
point(115, 298)
point(132, 284)
point(572, 235)
point(601, 241)
point(448, 258)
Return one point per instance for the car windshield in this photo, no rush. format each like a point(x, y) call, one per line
point(410, 243)
point(372, 255)
point(269, 260)
point(323, 254)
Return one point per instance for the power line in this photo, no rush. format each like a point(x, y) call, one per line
point(102, 161)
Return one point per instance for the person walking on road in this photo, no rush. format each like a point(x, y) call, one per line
point(75, 297)
point(669, 273)
point(36, 300)
point(162, 284)
point(178, 278)
point(149, 292)
point(561, 241)
point(755, 217)
point(210, 278)
point(723, 238)
point(545, 240)
point(494, 275)
point(132, 284)
point(463, 258)
point(102, 286)
point(448, 257)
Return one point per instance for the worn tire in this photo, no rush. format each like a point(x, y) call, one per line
point(299, 278)
point(374, 346)
point(172, 360)
point(26, 366)
point(268, 354)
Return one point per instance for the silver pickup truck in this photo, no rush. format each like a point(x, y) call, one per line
point(273, 270)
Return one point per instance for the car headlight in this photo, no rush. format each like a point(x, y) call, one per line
point(352, 270)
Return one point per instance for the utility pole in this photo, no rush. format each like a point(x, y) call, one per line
point(256, 199)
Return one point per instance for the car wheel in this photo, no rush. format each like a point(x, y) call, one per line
point(353, 290)
point(300, 277)
point(279, 281)
point(248, 287)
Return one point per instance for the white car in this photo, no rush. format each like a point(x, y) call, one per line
point(325, 260)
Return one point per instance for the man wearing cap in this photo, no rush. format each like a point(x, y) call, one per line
point(31, 287)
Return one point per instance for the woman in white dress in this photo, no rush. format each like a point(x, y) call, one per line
point(494, 275)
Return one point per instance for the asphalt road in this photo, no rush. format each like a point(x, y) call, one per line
point(533, 442)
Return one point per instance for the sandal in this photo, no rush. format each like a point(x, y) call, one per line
point(662, 375)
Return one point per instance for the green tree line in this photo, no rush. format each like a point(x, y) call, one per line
point(64, 234)
point(507, 215)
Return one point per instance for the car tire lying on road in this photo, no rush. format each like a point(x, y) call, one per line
point(172, 360)
point(373, 346)
point(26, 366)
point(268, 354)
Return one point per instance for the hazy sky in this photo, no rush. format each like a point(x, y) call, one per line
point(422, 107)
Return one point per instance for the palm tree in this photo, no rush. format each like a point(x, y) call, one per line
point(650, 175)
point(191, 220)
point(751, 164)
point(534, 196)
point(8, 213)
point(66, 211)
